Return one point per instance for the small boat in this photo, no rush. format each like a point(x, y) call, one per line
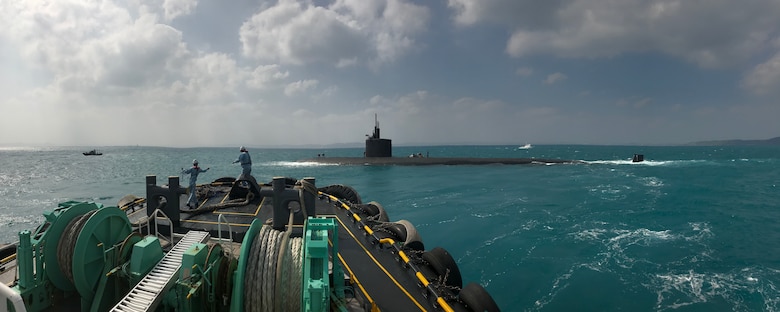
point(92, 153)
point(527, 146)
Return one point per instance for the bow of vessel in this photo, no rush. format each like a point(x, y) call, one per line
point(285, 245)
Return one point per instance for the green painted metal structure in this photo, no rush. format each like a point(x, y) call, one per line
point(239, 275)
point(97, 254)
point(317, 290)
point(111, 258)
point(91, 253)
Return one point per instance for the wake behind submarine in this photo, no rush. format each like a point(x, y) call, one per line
point(379, 151)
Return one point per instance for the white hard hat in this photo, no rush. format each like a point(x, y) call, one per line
point(194, 161)
point(242, 149)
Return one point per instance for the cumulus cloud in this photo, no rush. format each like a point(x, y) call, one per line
point(525, 13)
point(345, 33)
point(300, 87)
point(764, 78)
point(555, 78)
point(113, 65)
point(90, 47)
point(51, 35)
point(143, 74)
point(707, 33)
point(176, 8)
point(265, 76)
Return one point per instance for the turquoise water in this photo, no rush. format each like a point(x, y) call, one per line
point(690, 229)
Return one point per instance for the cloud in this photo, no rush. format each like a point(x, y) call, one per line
point(300, 87)
point(555, 78)
point(764, 79)
point(514, 13)
point(345, 33)
point(265, 76)
point(119, 70)
point(710, 34)
point(176, 8)
point(151, 73)
point(92, 48)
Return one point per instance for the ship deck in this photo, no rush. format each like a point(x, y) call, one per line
point(375, 272)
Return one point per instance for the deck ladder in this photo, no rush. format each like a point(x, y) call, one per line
point(146, 295)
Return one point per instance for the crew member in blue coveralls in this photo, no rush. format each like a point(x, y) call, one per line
point(245, 160)
point(192, 201)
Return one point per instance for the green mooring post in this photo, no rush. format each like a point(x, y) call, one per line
point(25, 260)
point(31, 287)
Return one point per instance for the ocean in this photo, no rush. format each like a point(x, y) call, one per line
point(689, 229)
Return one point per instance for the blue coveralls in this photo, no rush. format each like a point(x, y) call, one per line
point(193, 172)
point(246, 163)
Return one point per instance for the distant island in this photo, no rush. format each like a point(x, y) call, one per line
point(772, 141)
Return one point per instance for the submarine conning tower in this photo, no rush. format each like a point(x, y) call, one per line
point(376, 146)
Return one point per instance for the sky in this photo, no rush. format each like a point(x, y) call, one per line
point(187, 73)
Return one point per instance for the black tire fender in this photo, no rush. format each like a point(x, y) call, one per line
point(476, 298)
point(407, 233)
point(441, 261)
point(373, 208)
point(342, 192)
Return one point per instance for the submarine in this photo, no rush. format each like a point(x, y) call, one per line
point(379, 151)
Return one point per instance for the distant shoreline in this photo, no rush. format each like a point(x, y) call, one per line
point(772, 142)
point(737, 142)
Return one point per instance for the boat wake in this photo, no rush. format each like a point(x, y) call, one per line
point(296, 164)
point(677, 278)
point(644, 163)
point(746, 289)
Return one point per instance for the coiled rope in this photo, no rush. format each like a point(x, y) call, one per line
point(67, 243)
point(273, 276)
point(275, 265)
